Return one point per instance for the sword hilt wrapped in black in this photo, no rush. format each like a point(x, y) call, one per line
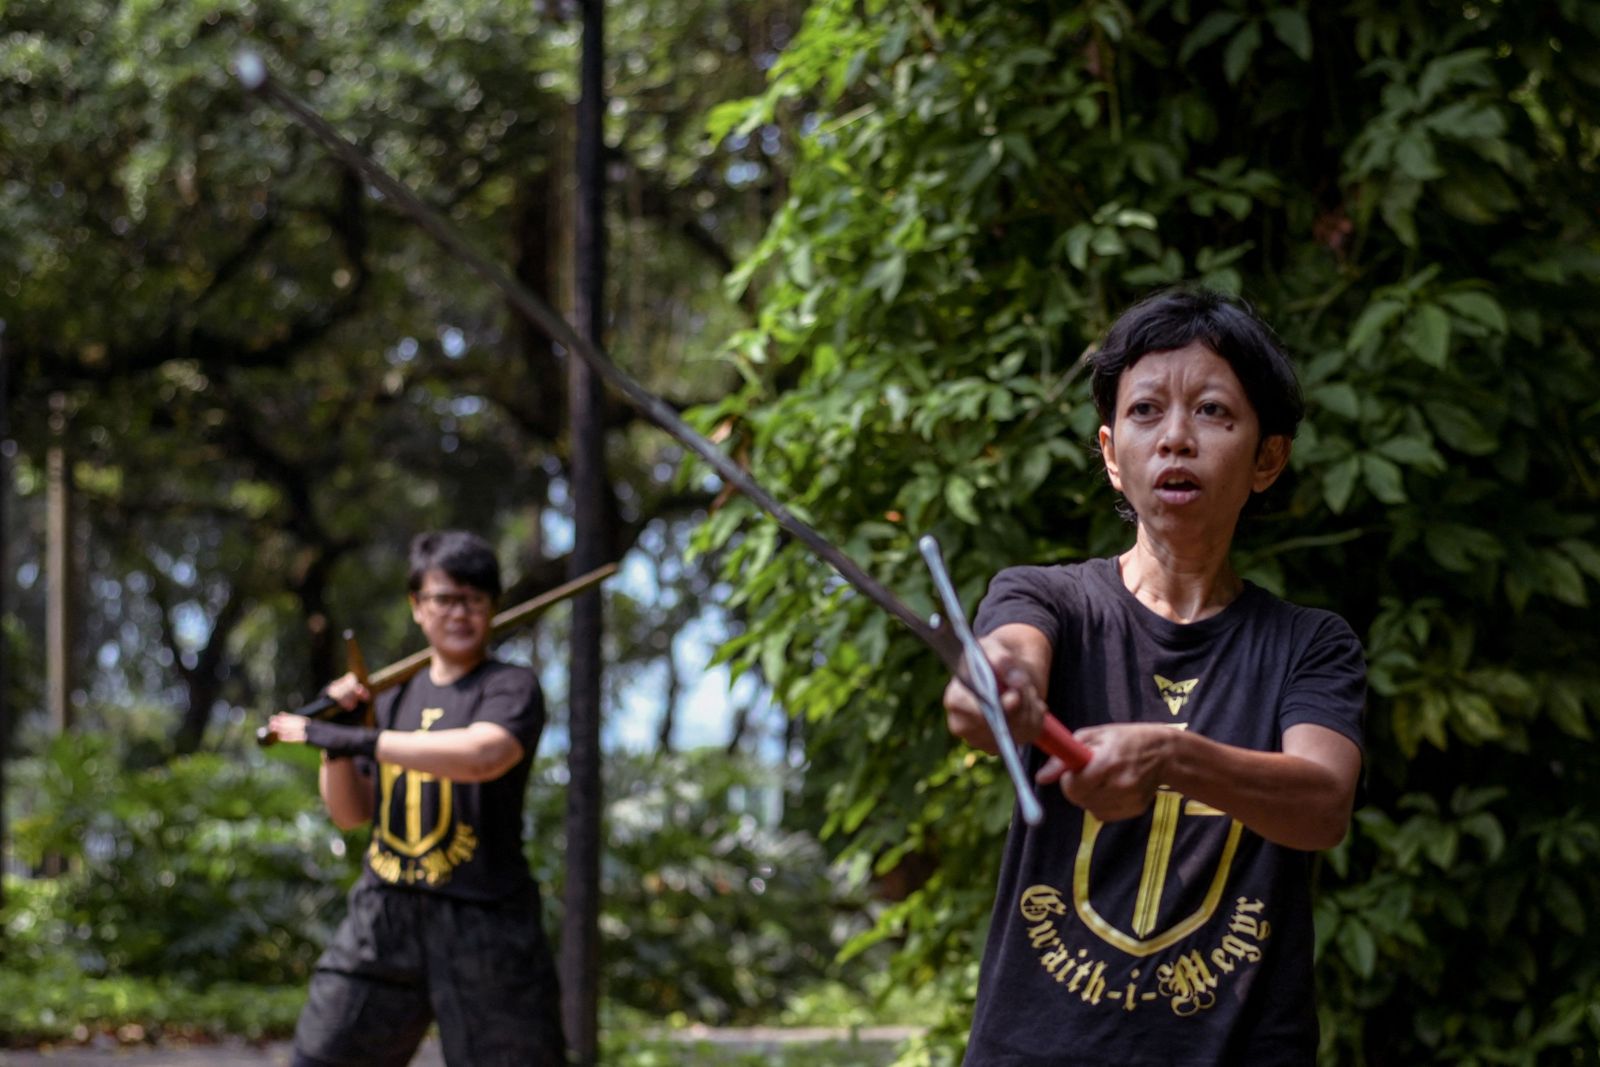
point(324, 707)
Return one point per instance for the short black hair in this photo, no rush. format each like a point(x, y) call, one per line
point(467, 558)
point(1176, 317)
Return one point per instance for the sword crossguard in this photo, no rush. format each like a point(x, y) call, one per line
point(353, 658)
point(976, 673)
point(981, 680)
point(358, 667)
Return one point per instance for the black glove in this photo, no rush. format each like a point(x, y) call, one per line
point(340, 741)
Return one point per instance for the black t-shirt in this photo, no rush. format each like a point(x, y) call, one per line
point(1178, 937)
point(462, 839)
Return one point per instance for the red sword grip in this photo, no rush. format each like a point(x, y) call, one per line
point(1056, 740)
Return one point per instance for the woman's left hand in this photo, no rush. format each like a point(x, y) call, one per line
point(288, 727)
point(1122, 779)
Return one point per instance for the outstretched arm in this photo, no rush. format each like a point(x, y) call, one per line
point(479, 752)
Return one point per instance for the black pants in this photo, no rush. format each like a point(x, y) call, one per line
point(402, 959)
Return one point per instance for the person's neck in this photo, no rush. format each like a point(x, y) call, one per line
point(1181, 584)
point(442, 671)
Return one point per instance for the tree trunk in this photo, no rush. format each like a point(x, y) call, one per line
point(58, 586)
point(741, 725)
point(204, 681)
point(310, 587)
point(58, 570)
point(538, 247)
point(669, 712)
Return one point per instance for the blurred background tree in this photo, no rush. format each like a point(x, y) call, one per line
point(1406, 192)
point(272, 380)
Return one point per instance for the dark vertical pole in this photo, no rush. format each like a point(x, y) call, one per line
point(580, 935)
point(58, 587)
point(58, 569)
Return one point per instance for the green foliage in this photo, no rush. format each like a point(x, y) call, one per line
point(208, 870)
point(61, 1002)
point(1406, 192)
point(714, 912)
point(189, 884)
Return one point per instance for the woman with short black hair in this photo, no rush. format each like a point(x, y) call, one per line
point(1161, 912)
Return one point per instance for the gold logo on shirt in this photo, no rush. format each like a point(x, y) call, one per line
point(406, 849)
point(1143, 938)
point(1176, 694)
point(412, 839)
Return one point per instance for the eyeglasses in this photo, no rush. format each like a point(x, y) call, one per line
point(445, 603)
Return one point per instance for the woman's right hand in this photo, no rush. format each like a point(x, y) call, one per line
point(1020, 699)
point(348, 692)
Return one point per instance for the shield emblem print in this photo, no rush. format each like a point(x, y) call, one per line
point(1141, 935)
point(414, 839)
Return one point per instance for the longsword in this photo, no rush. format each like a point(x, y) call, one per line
point(961, 654)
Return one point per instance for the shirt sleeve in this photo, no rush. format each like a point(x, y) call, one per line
point(512, 699)
point(1328, 683)
point(384, 705)
point(1020, 595)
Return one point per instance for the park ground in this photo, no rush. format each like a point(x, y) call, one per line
point(690, 1047)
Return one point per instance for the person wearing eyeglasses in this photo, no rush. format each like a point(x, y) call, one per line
point(445, 921)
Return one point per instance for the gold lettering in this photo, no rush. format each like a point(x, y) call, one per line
point(1041, 901)
point(1250, 926)
point(1127, 996)
point(383, 864)
point(1095, 988)
point(463, 847)
point(1243, 949)
point(1053, 960)
point(435, 868)
point(1189, 982)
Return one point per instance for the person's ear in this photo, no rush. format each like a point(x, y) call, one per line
point(1272, 456)
point(1108, 453)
